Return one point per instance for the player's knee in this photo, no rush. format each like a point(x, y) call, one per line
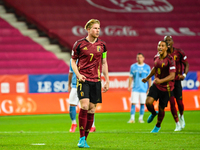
point(85, 107)
point(149, 101)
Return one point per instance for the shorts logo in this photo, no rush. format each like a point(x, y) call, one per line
point(82, 93)
point(98, 48)
point(133, 6)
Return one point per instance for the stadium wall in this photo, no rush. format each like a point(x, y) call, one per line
point(47, 94)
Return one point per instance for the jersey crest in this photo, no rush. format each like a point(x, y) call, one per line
point(175, 57)
point(98, 48)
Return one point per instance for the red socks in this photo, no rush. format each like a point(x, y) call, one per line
point(82, 121)
point(85, 122)
point(90, 119)
point(161, 115)
point(173, 108)
point(180, 106)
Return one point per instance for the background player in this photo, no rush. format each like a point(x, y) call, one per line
point(164, 71)
point(180, 60)
point(91, 54)
point(138, 71)
point(73, 97)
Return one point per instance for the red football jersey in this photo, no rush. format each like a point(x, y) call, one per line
point(179, 57)
point(89, 58)
point(163, 68)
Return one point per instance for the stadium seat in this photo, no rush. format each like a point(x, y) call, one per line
point(126, 34)
point(21, 55)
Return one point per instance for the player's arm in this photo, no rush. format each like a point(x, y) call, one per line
point(105, 72)
point(130, 83)
point(186, 69)
point(170, 77)
point(153, 71)
point(75, 69)
point(69, 81)
point(149, 82)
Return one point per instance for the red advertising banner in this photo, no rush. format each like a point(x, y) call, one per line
point(12, 84)
point(119, 101)
point(15, 100)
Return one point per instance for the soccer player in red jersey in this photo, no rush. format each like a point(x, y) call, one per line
point(180, 60)
point(164, 71)
point(91, 54)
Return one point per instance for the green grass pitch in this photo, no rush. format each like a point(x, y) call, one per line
point(51, 132)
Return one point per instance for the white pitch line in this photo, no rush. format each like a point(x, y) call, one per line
point(38, 144)
point(64, 132)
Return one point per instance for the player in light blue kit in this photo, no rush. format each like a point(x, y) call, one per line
point(138, 71)
point(73, 99)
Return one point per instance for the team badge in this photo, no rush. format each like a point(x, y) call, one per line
point(175, 57)
point(98, 48)
point(163, 65)
point(82, 93)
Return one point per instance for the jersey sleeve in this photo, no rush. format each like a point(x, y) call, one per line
point(172, 65)
point(183, 56)
point(75, 50)
point(105, 47)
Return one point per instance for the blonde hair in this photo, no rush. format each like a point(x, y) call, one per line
point(90, 23)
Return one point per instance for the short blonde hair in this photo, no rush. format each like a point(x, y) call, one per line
point(90, 23)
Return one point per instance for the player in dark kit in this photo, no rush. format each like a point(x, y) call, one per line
point(164, 71)
point(91, 54)
point(180, 60)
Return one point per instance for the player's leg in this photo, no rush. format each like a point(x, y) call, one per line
point(161, 114)
point(90, 118)
point(83, 94)
point(151, 97)
point(93, 128)
point(83, 115)
point(179, 101)
point(142, 98)
point(134, 101)
point(163, 101)
point(95, 97)
point(174, 113)
point(150, 107)
point(181, 110)
point(72, 112)
point(73, 101)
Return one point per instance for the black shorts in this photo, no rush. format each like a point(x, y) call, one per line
point(177, 90)
point(163, 96)
point(91, 90)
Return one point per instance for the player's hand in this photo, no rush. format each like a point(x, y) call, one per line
point(106, 87)
point(181, 77)
point(69, 88)
point(129, 89)
point(144, 80)
point(81, 78)
point(157, 81)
